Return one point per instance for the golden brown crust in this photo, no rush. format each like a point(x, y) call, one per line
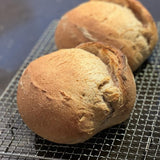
point(84, 24)
point(122, 76)
point(70, 95)
point(144, 16)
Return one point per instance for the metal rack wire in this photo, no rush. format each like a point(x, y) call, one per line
point(137, 138)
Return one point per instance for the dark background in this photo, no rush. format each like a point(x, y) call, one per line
point(23, 21)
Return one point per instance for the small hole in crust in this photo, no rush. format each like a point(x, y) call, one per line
point(83, 94)
point(148, 40)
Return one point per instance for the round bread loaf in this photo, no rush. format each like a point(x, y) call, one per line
point(124, 24)
point(70, 95)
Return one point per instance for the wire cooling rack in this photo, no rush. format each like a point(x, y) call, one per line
point(136, 139)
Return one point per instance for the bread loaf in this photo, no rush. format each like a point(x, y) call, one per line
point(70, 95)
point(124, 24)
